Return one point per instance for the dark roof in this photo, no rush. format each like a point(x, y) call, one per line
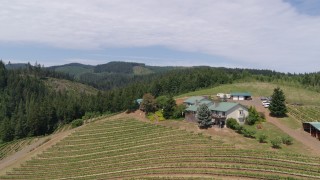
point(240, 94)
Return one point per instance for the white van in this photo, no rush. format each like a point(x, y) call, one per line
point(267, 104)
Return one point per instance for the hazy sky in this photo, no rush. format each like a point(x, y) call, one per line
point(282, 35)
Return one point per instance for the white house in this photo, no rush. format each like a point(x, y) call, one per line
point(224, 110)
point(221, 111)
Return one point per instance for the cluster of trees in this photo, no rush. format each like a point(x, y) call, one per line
point(29, 108)
point(166, 104)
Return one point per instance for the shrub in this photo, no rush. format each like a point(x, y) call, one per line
point(150, 116)
point(179, 111)
point(276, 143)
point(239, 128)
point(287, 140)
point(262, 138)
point(160, 115)
point(248, 132)
point(76, 123)
point(232, 123)
point(90, 115)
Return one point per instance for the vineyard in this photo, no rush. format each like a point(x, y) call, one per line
point(9, 148)
point(305, 113)
point(127, 148)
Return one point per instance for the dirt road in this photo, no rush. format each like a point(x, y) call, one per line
point(310, 142)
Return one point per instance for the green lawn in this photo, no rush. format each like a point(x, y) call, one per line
point(272, 132)
point(293, 94)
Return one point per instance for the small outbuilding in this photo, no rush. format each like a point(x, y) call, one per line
point(313, 128)
point(240, 96)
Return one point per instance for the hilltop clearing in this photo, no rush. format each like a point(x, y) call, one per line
point(257, 89)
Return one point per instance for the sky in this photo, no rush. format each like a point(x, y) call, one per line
point(281, 35)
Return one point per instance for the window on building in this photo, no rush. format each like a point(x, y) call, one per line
point(241, 112)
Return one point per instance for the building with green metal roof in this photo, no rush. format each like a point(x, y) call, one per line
point(313, 128)
point(240, 95)
point(223, 106)
point(193, 100)
point(221, 111)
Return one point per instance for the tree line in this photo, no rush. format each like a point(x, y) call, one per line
point(29, 108)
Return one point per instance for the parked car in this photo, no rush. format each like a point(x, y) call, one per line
point(263, 98)
point(266, 104)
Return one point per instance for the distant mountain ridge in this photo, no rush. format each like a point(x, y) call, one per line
point(16, 65)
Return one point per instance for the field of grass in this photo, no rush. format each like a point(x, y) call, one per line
point(9, 148)
point(229, 136)
point(66, 85)
point(138, 70)
point(74, 70)
point(127, 148)
point(273, 132)
point(293, 94)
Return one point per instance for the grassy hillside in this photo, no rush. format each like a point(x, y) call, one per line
point(70, 86)
point(9, 148)
point(74, 69)
point(293, 94)
point(139, 70)
point(127, 148)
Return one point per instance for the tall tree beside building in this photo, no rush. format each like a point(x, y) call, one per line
point(169, 107)
point(204, 117)
point(278, 106)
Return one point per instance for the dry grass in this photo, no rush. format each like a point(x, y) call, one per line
point(293, 94)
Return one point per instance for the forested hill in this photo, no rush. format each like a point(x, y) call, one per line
point(110, 75)
point(29, 107)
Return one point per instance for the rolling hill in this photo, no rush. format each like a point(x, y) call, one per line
point(116, 148)
point(110, 75)
point(294, 94)
point(69, 86)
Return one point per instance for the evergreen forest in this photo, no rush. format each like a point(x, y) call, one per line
point(28, 107)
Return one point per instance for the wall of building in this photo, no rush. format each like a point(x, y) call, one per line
point(234, 113)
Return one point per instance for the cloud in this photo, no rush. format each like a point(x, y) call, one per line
point(263, 34)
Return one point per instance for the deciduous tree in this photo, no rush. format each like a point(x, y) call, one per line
point(148, 103)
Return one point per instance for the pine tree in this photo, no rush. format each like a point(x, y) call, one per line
point(3, 75)
point(278, 105)
point(168, 108)
point(204, 117)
